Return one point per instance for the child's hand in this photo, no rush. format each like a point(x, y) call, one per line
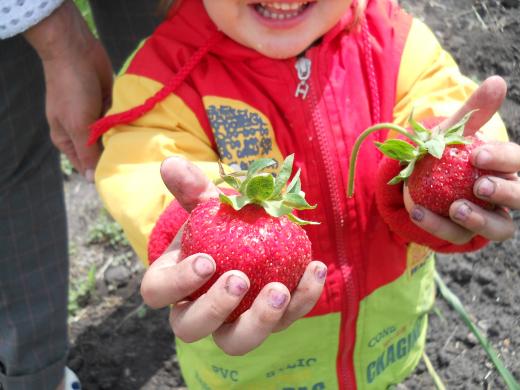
point(169, 280)
point(467, 219)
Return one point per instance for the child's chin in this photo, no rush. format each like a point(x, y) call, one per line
point(280, 52)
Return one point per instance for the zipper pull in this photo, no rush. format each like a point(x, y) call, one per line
point(303, 67)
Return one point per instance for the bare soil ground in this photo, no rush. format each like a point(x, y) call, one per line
point(116, 343)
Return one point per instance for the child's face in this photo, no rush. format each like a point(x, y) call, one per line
point(277, 29)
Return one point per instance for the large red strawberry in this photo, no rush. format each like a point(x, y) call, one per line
point(168, 225)
point(254, 231)
point(437, 168)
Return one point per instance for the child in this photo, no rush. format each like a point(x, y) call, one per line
point(236, 81)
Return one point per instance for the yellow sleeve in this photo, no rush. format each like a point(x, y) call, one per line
point(127, 175)
point(430, 82)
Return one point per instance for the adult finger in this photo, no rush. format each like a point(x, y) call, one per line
point(62, 141)
point(167, 280)
point(499, 191)
point(306, 294)
point(486, 99)
point(493, 225)
point(195, 320)
point(188, 184)
point(255, 324)
point(88, 156)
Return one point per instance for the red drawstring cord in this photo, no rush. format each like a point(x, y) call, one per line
point(98, 128)
point(104, 124)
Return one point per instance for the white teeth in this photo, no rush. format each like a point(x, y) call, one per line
point(268, 10)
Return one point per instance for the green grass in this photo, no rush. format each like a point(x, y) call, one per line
point(66, 166)
point(107, 231)
point(80, 293)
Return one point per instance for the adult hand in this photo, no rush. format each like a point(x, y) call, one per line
point(502, 188)
point(78, 81)
point(168, 281)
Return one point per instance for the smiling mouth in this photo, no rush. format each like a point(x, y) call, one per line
point(281, 10)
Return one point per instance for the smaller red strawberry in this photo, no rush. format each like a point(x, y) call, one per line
point(437, 169)
point(254, 231)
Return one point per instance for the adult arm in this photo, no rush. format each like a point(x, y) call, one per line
point(78, 80)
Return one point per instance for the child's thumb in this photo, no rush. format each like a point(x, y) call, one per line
point(187, 182)
point(486, 100)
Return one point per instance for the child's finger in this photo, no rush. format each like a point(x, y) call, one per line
point(198, 319)
point(188, 184)
point(439, 226)
point(256, 323)
point(497, 156)
point(306, 294)
point(487, 99)
point(167, 280)
point(499, 191)
point(493, 225)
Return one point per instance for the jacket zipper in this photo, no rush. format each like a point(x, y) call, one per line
point(303, 66)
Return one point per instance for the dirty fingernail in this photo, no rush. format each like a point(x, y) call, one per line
point(235, 285)
point(277, 299)
point(417, 214)
point(89, 175)
point(483, 157)
point(203, 266)
point(486, 187)
point(320, 273)
point(463, 212)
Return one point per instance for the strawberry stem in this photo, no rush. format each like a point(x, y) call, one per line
point(359, 142)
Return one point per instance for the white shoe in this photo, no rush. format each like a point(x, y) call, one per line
point(71, 381)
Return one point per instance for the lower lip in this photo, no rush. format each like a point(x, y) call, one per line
point(281, 24)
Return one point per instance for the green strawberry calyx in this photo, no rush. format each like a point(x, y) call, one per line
point(427, 141)
point(255, 186)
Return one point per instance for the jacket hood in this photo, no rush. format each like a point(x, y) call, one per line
point(189, 25)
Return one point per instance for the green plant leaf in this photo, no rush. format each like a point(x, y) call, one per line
point(431, 370)
point(404, 174)
point(419, 130)
point(235, 201)
point(397, 149)
point(297, 201)
point(232, 181)
point(259, 165)
point(438, 312)
point(453, 139)
point(260, 188)
point(229, 179)
point(458, 128)
point(299, 221)
point(435, 146)
point(295, 185)
point(276, 208)
point(493, 355)
point(283, 175)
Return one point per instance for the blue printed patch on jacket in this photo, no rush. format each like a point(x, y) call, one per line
point(240, 134)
